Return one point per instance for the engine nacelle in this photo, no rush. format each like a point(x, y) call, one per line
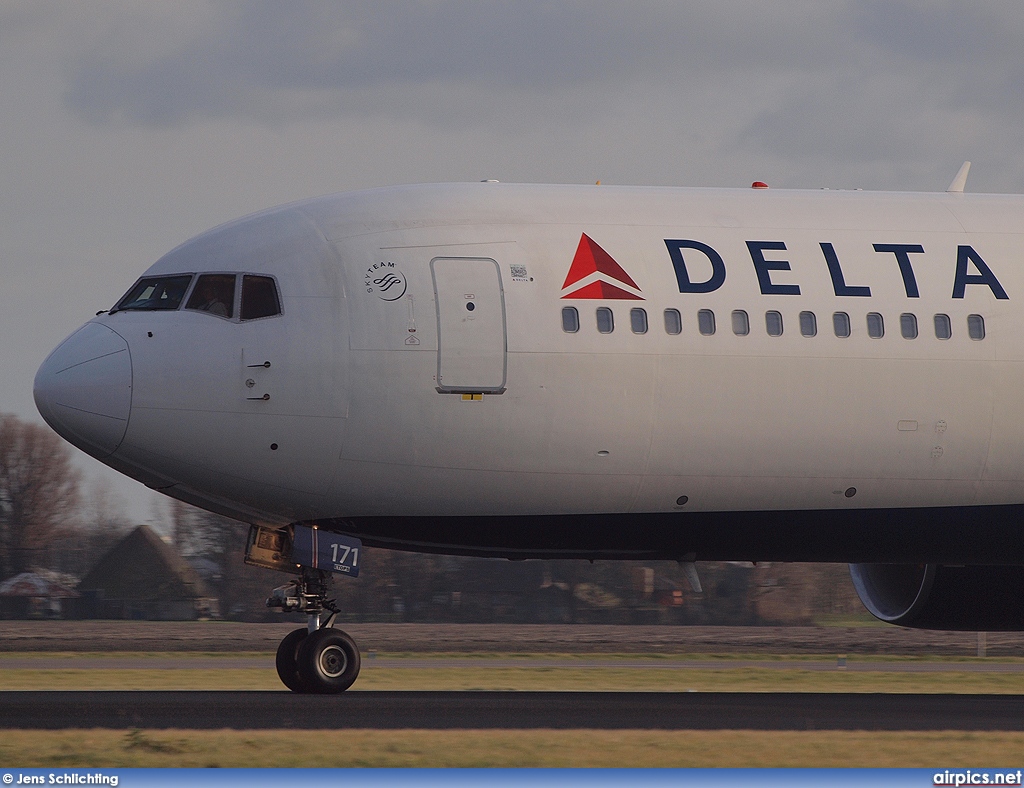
point(931, 596)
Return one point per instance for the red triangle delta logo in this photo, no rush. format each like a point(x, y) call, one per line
point(594, 274)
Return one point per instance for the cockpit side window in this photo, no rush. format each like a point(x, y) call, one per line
point(155, 292)
point(214, 293)
point(259, 297)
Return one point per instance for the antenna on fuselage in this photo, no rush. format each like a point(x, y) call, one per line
point(957, 186)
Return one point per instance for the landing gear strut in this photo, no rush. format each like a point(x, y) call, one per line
point(318, 658)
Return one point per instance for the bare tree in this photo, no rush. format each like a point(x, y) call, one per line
point(196, 532)
point(39, 493)
point(102, 523)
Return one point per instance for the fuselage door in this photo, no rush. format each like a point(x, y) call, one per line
point(470, 324)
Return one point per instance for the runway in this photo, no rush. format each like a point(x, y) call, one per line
point(511, 710)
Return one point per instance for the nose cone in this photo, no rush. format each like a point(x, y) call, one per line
point(84, 389)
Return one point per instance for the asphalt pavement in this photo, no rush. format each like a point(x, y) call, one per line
point(511, 710)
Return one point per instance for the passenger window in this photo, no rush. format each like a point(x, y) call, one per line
point(740, 323)
point(841, 324)
point(943, 328)
point(908, 325)
point(808, 324)
point(876, 326)
point(155, 292)
point(638, 320)
point(975, 326)
point(673, 322)
point(570, 320)
point(605, 320)
point(706, 322)
point(773, 323)
point(214, 293)
point(259, 297)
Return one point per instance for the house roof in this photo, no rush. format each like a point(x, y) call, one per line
point(143, 567)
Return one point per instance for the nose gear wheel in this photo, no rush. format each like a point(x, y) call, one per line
point(319, 658)
point(328, 661)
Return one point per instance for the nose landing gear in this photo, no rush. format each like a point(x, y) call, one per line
point(318, 658)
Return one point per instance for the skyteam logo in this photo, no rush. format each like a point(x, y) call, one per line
point(386, 280)
point(594, 274)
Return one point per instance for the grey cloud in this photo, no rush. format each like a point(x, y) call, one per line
point(963, 55)
point(329, 55)
point(332, 51)
point(938, 32)
point(805, 83)
point(929, 78)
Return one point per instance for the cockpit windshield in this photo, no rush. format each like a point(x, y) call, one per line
point(214, 293)
point(156, 292)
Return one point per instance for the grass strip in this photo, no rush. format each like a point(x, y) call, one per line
point(540, 748)
point(551, 679)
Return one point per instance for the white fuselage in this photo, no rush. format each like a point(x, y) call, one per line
point(421, 366)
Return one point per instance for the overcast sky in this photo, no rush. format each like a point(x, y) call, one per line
point(128, 127)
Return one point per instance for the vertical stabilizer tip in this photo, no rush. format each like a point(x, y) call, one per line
point(960, 180)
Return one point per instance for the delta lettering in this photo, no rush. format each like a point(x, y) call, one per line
point(971, 269)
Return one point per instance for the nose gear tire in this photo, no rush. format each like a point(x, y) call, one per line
point(287, 660)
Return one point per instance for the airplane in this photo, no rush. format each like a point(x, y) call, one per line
point(588, 372)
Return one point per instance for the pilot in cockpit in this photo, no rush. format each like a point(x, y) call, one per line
point(214, 293)
point(209, 300)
